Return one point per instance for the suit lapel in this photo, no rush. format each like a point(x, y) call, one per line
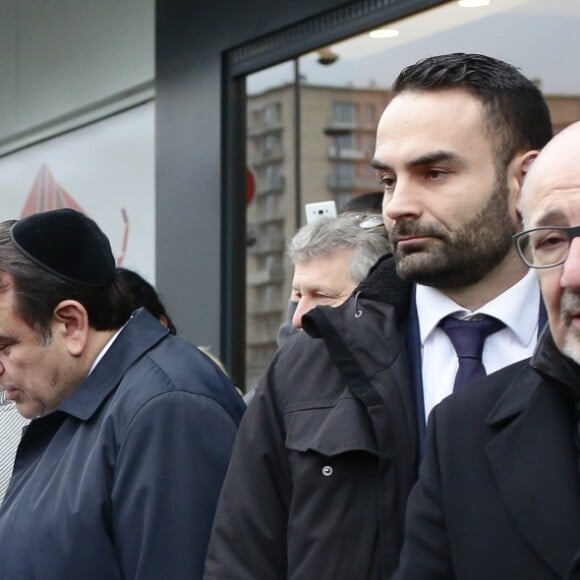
point(535, 464)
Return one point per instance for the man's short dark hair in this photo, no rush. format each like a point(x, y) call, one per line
point(516, 114)
point(370, 203)
point(37, 292)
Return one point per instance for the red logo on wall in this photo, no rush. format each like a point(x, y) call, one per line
point(47, 194)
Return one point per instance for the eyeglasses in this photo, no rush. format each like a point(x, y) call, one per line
point(545, 247)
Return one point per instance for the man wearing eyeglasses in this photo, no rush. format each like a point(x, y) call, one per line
point(499, 491)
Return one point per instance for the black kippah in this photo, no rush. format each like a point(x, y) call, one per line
point(68, 244)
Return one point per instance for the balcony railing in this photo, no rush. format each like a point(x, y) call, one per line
point(275, 183)
point(352, 183)
point(347, 153)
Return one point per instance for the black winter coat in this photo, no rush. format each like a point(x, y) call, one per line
point(499, 492)
point(324, 460)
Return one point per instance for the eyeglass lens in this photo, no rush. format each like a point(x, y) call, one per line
point(546, 247)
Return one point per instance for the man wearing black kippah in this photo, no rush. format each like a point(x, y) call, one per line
point(119, 471)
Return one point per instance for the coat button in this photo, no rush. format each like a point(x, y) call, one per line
point(327, 471)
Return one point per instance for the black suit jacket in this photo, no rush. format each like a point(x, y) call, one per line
point(499, 489)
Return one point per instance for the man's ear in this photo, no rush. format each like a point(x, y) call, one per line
point(526, 161)
point(520, 166)
point(517, 171)
point(71, 323)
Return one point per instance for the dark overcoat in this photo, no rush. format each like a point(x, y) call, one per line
point(499, 490)
point(121, 482)
point(323, 465)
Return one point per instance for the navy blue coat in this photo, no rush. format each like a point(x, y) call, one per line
point(121, 482)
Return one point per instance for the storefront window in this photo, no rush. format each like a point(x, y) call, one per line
point(319, 148)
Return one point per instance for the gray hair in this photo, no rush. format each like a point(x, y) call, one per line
point(328, 235)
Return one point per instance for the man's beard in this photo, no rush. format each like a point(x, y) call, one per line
point(461, 258)
point(570, 307)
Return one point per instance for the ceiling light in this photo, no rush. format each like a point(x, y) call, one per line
point(326, 56)
point(473, 3)
point(384, 33)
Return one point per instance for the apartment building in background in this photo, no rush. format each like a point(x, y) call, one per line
point(331, 153)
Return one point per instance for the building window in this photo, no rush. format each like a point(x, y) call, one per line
point(344, 112)
point(272, 113)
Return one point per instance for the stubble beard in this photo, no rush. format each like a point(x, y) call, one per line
point(463, 257)
point(570, 307)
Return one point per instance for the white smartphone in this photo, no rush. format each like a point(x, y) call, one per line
point(318, 210)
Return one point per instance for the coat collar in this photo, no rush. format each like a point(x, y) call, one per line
point(516, 397)
point(555, 366)
point(533, 460)
point(140, 334)
point(382, 297)
point(363, 342)
point(547, 362)
point(382, 285)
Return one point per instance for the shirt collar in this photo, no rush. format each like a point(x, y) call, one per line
point(512, 307)
point(136, 337)
point(105, 349)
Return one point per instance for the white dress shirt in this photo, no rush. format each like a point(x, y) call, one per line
point(518, 308)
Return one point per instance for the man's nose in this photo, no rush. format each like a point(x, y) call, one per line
point(298, 313)
point(401, 201)
point(304, 305)
point(571, 271)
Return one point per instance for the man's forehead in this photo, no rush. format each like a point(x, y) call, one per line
point(8, 302)
point(553, 183)
point(407, 103)
point(320, 266)
point(552, 207)
point(558, 164)
point(418, 123)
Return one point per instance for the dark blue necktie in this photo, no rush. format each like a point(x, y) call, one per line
point(467, 337)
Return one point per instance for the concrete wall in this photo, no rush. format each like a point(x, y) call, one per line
point(60, 60)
